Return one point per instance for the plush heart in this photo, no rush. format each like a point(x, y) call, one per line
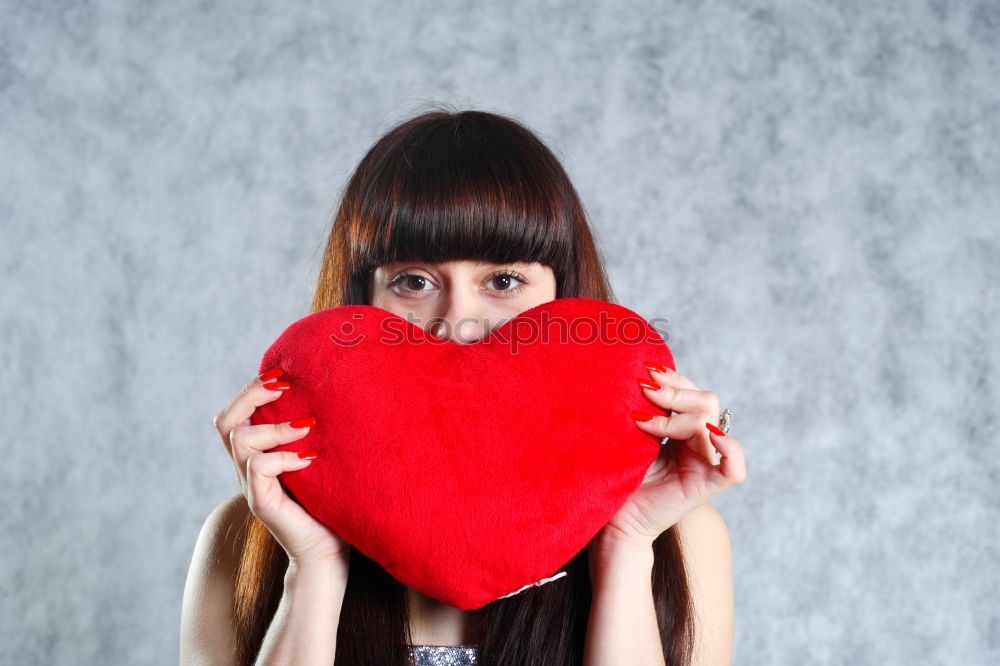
point(468, 471)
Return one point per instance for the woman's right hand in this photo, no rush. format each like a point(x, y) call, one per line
point(305, 540)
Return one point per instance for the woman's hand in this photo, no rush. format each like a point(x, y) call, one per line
point(685, 474)
point(304, 539)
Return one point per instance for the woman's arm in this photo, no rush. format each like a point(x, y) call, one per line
point(709, 562)
point(622, 627)
point(206, 635)
point(304, 628)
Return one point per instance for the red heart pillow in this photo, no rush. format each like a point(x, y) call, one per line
point(468, 471)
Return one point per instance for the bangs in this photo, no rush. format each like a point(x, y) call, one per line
point(458, 191)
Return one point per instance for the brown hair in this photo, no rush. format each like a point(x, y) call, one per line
point(441, 186)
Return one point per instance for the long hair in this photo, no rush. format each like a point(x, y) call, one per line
point(441, 186)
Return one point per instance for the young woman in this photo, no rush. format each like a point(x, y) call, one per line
point(459, 221)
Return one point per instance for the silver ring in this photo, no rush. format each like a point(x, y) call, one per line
point(725, 421)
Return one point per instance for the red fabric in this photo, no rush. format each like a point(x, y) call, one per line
point(468, 470)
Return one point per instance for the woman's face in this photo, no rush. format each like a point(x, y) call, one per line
point(463, 300)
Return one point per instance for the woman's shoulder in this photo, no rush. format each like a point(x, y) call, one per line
point(220, 541)
point(704, 538)
point(703, 522)
point(221, 538)
point(224, 528)
point(232, 510)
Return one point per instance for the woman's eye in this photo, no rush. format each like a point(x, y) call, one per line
point(503, 281)
point(410, 281)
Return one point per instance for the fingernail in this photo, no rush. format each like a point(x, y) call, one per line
point(303, 422)
point(277, 386)
point(653, 367)
point(645, 383)
point(309, 455)
point(270, 374)
point(642, 416)
point(715, 430)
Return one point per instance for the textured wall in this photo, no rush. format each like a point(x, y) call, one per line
point(808, 191)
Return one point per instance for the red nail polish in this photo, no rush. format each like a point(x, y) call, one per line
point(653, 367)
point(309, 455)
point(277, 386)
point(715, 430)
point(270, 374)
point(642, 416)
point(303, 422)
point(645, 383)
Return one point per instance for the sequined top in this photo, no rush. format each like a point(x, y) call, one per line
point(443, 655)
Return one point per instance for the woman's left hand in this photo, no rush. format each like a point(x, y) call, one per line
point(684, 476)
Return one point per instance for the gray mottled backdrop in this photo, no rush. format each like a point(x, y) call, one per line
point(808, 191)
